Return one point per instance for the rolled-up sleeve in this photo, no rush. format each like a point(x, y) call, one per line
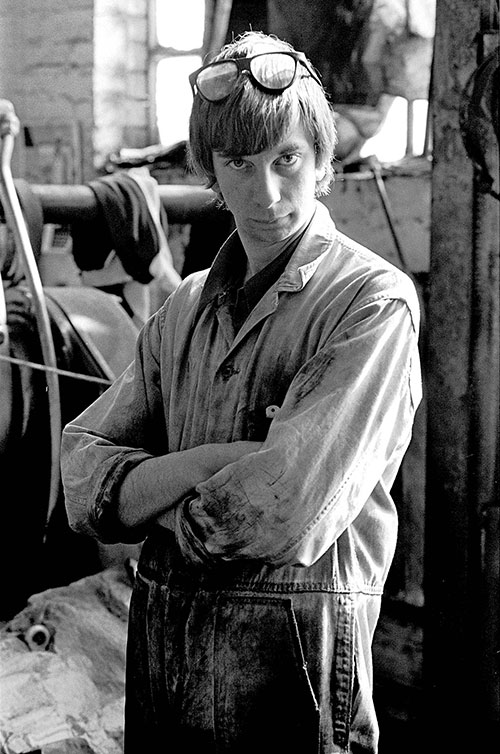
point(120, 430)
point(342, 429)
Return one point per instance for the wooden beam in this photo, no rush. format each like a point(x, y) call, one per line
point(462, 394)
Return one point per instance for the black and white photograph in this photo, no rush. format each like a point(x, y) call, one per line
point(249, 377)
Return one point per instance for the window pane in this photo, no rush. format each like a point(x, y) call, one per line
point(173, 97)
point(180, 24)
point(389, 143)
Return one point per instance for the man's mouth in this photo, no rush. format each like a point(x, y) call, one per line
point(268, 220)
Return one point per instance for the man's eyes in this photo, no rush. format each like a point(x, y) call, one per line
point(288, 159)
point(237, 163)
point(285, 160)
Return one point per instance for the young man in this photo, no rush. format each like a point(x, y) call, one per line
point(252, 444)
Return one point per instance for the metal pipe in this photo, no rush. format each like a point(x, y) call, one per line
point(64, 204)
point(17, 224)
point(384, 198)
point(5, 375)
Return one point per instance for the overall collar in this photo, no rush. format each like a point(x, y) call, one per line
point(231, 259)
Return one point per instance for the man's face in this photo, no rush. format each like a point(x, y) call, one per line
point(271, 194)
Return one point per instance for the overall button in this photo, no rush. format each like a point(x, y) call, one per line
point(271, 411)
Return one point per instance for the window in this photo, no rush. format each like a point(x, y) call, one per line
point(402, 133)
point(178, 30)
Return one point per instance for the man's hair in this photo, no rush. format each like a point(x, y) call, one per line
point(250, 120)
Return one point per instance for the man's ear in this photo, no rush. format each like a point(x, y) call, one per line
point(220, 203)
point(320, 172)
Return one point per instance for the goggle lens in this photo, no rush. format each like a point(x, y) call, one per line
point(217, 81)
point(274, 71)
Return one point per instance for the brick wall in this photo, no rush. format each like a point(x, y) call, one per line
point(76, 72)
point(121, 97)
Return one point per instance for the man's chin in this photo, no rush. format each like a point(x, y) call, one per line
point(278, 226)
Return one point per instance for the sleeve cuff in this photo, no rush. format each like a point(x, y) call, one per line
point(103, 515)
point(192, 548)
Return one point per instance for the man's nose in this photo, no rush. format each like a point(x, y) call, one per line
point(267, 188)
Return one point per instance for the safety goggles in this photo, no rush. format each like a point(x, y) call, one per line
point(271, 71)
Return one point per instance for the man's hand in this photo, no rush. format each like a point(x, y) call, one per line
point(205, 461)
point(154, 487)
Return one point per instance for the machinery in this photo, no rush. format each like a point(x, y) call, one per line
point(60, 347)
